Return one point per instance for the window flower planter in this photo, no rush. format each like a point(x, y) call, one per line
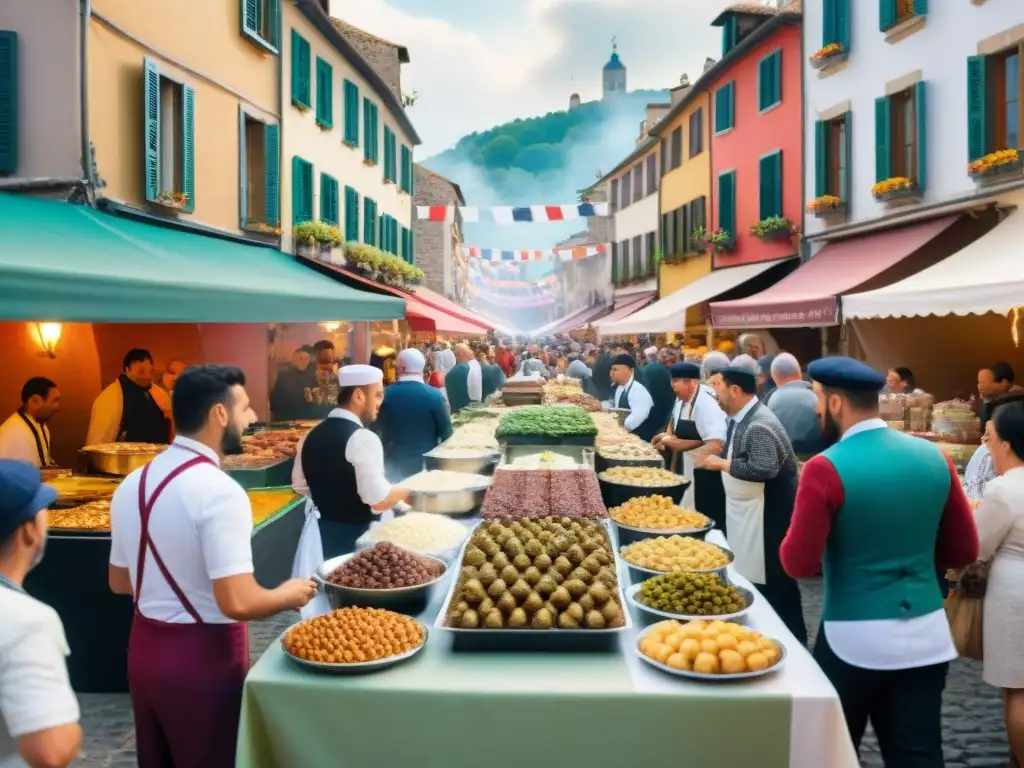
point(826, 207)
point(261, 228)
point(774, 228)
point(382, 267)
point(317, 240)
point(171, 201)
point(996, 167)
point(896, 190)
point(833, 53)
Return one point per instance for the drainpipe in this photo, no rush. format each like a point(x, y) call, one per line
point(88, 173)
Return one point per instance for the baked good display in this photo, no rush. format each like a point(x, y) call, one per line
point(265, 448)
point(690, 594)
point(420, 531)
point(268, 502)
point(537, 493)
point(644, 477)
point(353, 636)
point(657, 513)
point(385, 566)
point(709, 648)
point(546, 422)
point(675, 553)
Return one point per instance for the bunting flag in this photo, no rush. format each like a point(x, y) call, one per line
point(508, 214)
point(561, 254)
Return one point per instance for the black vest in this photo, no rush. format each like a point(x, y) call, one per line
point(142, 420)
point(330, 478)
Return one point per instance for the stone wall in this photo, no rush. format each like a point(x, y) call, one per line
point(434, 239)
point(380, 54)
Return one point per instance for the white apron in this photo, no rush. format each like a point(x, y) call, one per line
point(689, 495)
point(308, 557)
point(744, 520)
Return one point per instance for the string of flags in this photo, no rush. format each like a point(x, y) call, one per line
point(561, 254)
point(509, 214)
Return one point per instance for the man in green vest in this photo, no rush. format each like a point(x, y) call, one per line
point(464, 382)
point(492, 376)
point(878, 513)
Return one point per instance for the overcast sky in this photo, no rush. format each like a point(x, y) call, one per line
point(480, 63)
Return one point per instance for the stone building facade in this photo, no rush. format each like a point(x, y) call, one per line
point(437, 242)
point(384, 56)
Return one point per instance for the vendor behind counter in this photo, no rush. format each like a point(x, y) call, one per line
point(131, 409)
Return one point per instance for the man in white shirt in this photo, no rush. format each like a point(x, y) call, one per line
point(475, 378)
point(25, 436)
point(131, 409)
point(38, 710)
point(181, 545)
point(630, 393)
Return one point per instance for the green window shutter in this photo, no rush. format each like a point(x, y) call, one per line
point(920, 7)
point(841, 14)
point(369, 221)
point(9, 102)
point(328, 200)
point(351, 91)
point(730, 33)
point(921, 144)
point(412, 246)
point(886, 14)
point(302, 190)
point(324, 94)
point(406, 169)
point(883, 157)
point(188, 147)
point(251, 17)
point(394, 236)
point(821, 153)
point(777, 76)
point(273, 28)
point(243, 186)
point(151, 105)
point(846, 194)
point(272, 175)
point(727, 202)
point(724, 108)
point(371, 131)
point(766, 188)
point(300, 70)
point(732, 105)
point(390, 171)
point(829, 33)
point(979, 139)
point(351, 215)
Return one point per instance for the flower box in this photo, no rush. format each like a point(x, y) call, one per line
point(773, 228)
point(827, 56)
point(261, 228)
point(905, 194)
point(996, 167)
point(170, 201)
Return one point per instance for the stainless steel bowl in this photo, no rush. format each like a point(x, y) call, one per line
point(454, 503)
point(409, 600)
point(628, 534)
point(108, 462)
point(652, 615)
point(484, 464)
point(638, 573)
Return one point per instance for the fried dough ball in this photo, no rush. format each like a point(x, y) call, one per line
point(353, 635)
point(657, 513)
point(710, 647)
point(675, 553)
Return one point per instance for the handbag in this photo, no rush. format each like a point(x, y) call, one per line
point(965, 608)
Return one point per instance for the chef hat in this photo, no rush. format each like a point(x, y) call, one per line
point(411, 360)
point(650, 351)
point(624, 359)
point(359, 375)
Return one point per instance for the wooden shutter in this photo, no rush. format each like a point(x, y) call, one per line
point(188, 147)
point(351, 215)
point(302, 190)
point(841, 14)
point(979, 139)
point(727, 202)
point(251, 17)
point(369, 221)
point(886, 14)
point(324, 94)
point(766, 187)
point(243, 190)
point(394, 236)
point(921, 142)
point(920, 7)
point(328, 200)
point(390, 170)
point(151, 105)
point(351, 113)
point(821, 158)
point(776, 76)
point(300, 70)
point(407, 171)
point(9, 102)
point(272, 175)
point(615, 263)
point(828, 23)
point(722, 109)
point(624, 255)
point(371, 148)
point(883, 156)
point(846, 194)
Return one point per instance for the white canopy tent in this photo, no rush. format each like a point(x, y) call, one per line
point(669, 314)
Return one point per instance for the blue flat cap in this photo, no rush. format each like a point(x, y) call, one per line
point(742, 377)
point(22, 495)
point(685, 371)
point(847, 374)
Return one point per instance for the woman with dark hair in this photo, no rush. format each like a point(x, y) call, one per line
point(1000, 521)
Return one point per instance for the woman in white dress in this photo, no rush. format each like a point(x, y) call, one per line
point(1000, 520)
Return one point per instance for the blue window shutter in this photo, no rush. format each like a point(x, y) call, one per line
point(324, 94)
point(921, 145)
point(721, 111)
point(251, 17)
point(9, 101)
point(829, 33)
point(886, 14)
point(300, 70)
point(272, 175)
point(979, 139)
point(842, 23)
point(821, 153)
point(151, 105)
point(243, 185)
point(351, 215)
point(727, 202)
point(883, 157)
point(351, 91)
point(188, 147)
point(920, 7)
point(766, 179)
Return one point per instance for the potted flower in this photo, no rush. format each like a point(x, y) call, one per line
point(698, 239)
point(826, 205)
point(173, 201)
point(261, 227)
point(720, 240)
point(898, 188)
point(391, 271)
point(365, 258)
point(315, 239)
point(832, 53)
point(996, 166)
point(773, 228)
point(304, 234)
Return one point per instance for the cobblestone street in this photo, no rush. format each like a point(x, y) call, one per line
point(972, 711)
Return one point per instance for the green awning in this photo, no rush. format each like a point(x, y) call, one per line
point(69, 263)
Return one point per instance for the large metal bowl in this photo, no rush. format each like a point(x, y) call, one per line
point(638, 573)
point(453, 503)
point(106, 460)
point(408, 600)
point(628, 534)
point(483, 464)
point(650, 615)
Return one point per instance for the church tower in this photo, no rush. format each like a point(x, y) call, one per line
point(614, 74)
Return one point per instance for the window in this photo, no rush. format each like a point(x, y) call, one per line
point(169, 139)
point(697, 132)
point(832, 158)
point(652, 174)
point(638, 181)
point(390, 156)
point(652, 246)
point(301, 96)
point(615, 263)
point(625, 188)
point(329, 201)
point(638, 257)
point(724, 109)
point(614, 196)
point(624, 261)
point(668, 234)
point(351, 215)
point(664, 157)
point(679, 228)
point(769, 81)
point(371, 133)
point(835, 24)
point(324, 94)
point(730, 34)
point(893, 12)
point(369, 221)
point(261, 22)
point(407, 252)
point(994, 98)
point(350, 91)
point(259, 183)
point(727, 202)
point(408, 173)
point(8, 101)
point(900, 136)
point(696, 216)
point(302, 190)
point(677, 147)
point(770, 188)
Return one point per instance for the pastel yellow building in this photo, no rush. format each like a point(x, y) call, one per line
point(177, 94)
point(347, 157)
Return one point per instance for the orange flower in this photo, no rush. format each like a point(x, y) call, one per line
point(829, 50)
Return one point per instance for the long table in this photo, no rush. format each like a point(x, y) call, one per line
point(455, 709)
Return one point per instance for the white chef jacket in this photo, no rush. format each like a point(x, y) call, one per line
point(364, 452)
point(475, 381)
point(640, 403)
point(707, 415)
point(201, 526)
point(17, 441)
point(105, 420)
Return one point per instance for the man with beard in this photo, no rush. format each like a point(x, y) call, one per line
point(130, 410)
point(181, 533)
point(759, 475)
point(341, 463)
point(878, 512)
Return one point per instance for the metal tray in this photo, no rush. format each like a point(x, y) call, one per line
point(483, 464)
point(410, 600)
point(543, 440)
point(650, 615)
point(461, 503)
point(638, 573)
point(628, 534)
point(279, 473)
point(512, 452)
point(613, 494)
point(356, 668)
point(601, 462)
point(558, 640)
point(711, 678)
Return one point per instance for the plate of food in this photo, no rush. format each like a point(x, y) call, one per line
point(645, 516)
point(621, 483)
point(690, 596)
point(714, 651)
point(665, 554)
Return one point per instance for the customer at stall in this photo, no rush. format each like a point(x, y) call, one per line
point(38, 710)
point(464, 382)
point(413, 418)
point(878, 513)
point(131, 410)
point(291, 397)
point(340, 463)
point(759, 476)
point(901, 381)
point(796, 406)
point(181, 545)
point(997, 380)
point(765, 384)
point(632, 395)
point(25, 436)
point(751, 344)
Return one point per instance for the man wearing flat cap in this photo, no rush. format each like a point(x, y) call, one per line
point(758, 469)
point(413, 418)
point(696, 428)
point(878, 513)
point(632, 395)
